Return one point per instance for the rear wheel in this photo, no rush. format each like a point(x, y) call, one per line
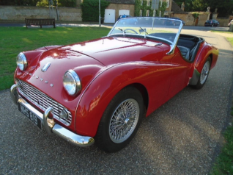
point(204, 74)
point(120, 120)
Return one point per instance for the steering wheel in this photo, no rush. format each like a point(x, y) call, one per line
point(130, 30)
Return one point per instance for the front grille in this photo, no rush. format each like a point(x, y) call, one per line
point(42, 101)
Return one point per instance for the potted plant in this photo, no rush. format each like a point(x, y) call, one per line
point(195, 16)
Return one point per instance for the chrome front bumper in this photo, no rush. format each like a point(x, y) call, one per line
point(49, 124)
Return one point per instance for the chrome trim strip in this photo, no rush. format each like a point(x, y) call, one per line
point(13, 93)
point(113, 28)
point(46, 66)
point(195, 77)
point(173, 46)
point(51, 127)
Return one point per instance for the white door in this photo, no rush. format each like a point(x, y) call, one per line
point(109, 16)
point(123, 12)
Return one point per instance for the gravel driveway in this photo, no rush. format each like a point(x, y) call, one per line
point(182, 137)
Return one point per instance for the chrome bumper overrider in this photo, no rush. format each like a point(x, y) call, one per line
point(49, 124)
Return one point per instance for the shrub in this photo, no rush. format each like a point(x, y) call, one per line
point(67, 3)
point(19, 2)
point(61, 3)
point(42, 3)
point(90, 10)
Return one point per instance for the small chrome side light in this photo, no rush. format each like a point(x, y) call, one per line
point(64, 114)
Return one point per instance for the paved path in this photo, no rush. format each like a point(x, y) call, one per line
point(181, 137)
point(22, 24)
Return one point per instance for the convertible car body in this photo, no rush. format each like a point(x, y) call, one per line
point(99, 90)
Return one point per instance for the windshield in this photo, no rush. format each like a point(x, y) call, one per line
point(165, 29)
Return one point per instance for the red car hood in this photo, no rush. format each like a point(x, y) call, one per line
point(113, 50)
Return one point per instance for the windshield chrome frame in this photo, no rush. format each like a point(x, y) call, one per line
point(173, 44)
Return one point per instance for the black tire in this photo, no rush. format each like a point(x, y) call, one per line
point(115, 108)
point(201, 82)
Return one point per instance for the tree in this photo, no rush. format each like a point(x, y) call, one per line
point(225, 7)
point(90, 9)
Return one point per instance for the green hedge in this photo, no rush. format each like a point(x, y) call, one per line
point(41, 3)
point(19, 2)
point(67, 3)
point(61, 3)
point(90, 10)
point(144, 8)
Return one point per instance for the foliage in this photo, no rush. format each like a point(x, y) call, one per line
point(67, 3)
point(90, 9)
point(224, 7)
point(42, 3)
point(195, 15)
point(137, 8)
point(145, 8)
point(17, 39)
point(62, 3)
point(162, 8)
point(151, 10)
point(20, 3)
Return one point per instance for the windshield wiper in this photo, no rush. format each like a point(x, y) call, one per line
point(143, 30)
point(123, 31)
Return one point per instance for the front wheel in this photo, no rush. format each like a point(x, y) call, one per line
point(204, 74)
point(120, 120)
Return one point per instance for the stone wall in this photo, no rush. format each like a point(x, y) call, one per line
point(20, 13)
point(223, 22)
point(189, 20)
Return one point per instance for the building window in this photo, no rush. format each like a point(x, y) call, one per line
point(148, 2)
point(141, 2)
point(147, 13)
point(140, 12)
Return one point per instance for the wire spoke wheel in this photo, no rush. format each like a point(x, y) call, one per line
point(124, 120)
point(205, 72)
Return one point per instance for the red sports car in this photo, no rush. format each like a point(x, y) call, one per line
point(99, 90)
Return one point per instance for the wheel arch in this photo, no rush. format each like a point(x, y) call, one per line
point(102, 90)
point(142, 90)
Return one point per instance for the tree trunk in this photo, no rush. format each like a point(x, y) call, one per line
point(196, 21)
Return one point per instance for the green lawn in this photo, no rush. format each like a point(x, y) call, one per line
point(230, 40)
point(16, 39)
point(221, 31)
point(224, 163)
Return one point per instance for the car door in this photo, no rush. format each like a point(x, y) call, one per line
point(180, 73)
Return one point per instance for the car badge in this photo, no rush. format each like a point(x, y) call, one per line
point(46, 66)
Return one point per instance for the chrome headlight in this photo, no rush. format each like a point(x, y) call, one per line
point(71, 82)
point(21, 61)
